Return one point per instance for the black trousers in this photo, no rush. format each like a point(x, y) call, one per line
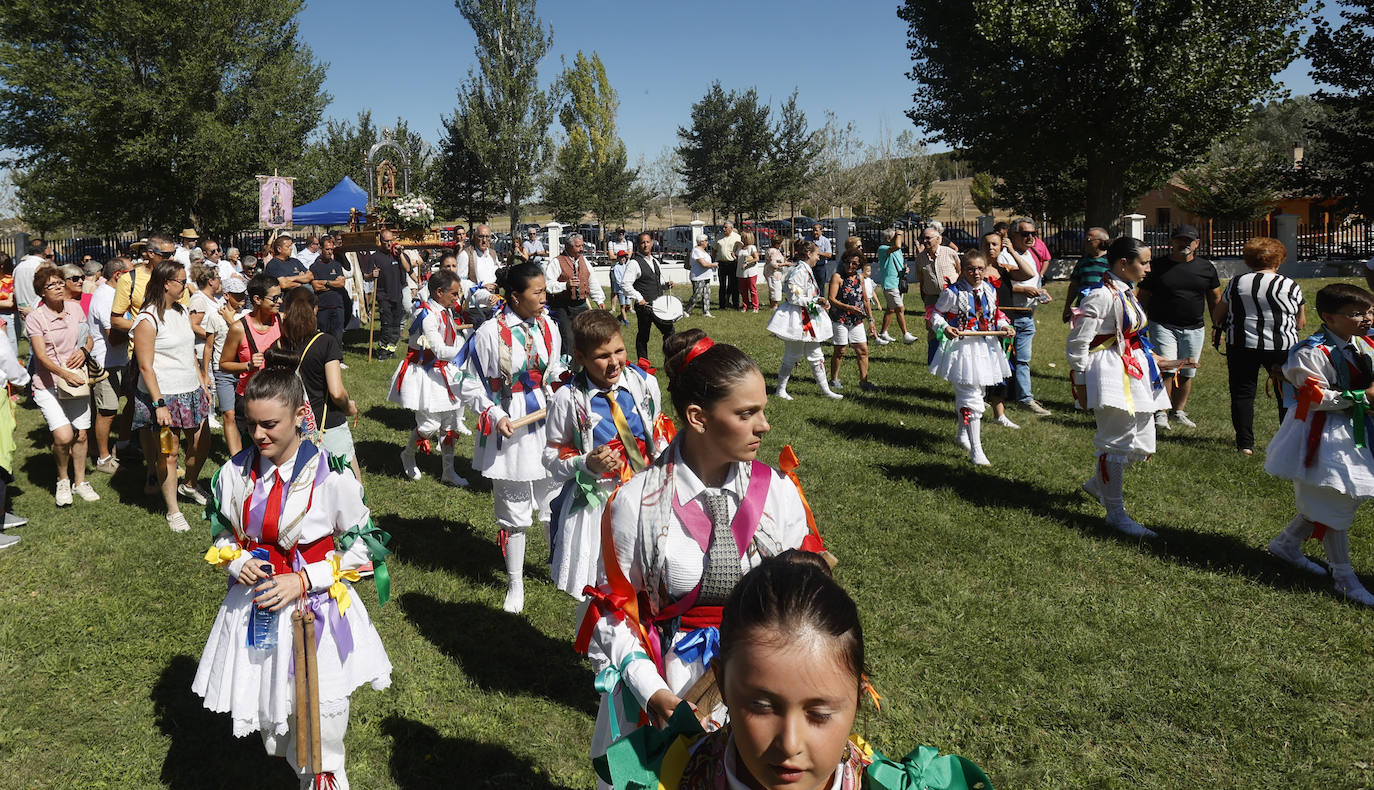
point(393, 314)
point(646, 320)
point(564, 315)
point(729, 284)
point(1242, 365)
point(330, 320)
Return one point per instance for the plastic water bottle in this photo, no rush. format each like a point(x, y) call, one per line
point(262, 623)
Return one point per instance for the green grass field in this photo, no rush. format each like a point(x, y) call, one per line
point(1004, 622)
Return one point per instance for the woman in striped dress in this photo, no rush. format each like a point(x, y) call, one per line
point(1262, 313)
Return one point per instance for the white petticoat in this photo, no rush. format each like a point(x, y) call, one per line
point(575, 552)
point(1110, 387)
point(976, 361)
point(1338, 464)
point(423, 388)
point(255, 686)
point(788, 323)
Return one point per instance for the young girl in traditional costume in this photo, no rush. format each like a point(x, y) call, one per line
point(1322, 445)
point(605, 426)
point(513, 359)
point(1117, 376)
point(427, 380)
point(790, 668)
point(970, 363)
point(802, 323)
point(291, 529)
point(680, 534)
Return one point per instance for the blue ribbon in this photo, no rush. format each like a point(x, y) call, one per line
point(1156, 382)
point(606, 682)
point(702, 644)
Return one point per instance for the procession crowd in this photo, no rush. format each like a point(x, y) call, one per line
point(726, 654)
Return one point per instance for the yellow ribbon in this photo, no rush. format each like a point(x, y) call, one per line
point(223, 555)
point(338, 590)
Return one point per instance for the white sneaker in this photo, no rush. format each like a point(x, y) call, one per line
point(85, 492)
point(1162, 421)
point(12, 521)
point(177, 522)
point(8, 540)
point(909, 338)
point(1181, 417)
point(885, 338)
point(408, 466)
point(836, 385)
point(963, 439)
point(64, 493)
point(214, 421)
point(882, 341)
point(1006, 422)
point(192, 493)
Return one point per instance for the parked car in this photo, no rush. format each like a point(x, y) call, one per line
point(962, 239)
point(1066, 243)
point(677, 239)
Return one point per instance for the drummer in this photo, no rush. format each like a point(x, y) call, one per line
point(643, 283)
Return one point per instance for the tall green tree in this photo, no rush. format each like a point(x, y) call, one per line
point(796, 148)
point(507, 123)
point(462, 185)
point(339, 149)
point(565, 187)
point(1110, 94)
point(1239, 180)
point(982, 190)
point(153, 113)
point(1343, 59)
point(703, 149)
point(837, 179)
point(752, 180)
point(595, 154)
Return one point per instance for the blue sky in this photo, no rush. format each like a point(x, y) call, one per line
point(406, 58)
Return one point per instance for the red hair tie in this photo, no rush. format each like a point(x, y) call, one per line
point(702, 346)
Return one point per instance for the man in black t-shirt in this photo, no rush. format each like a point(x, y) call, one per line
point(330, 291)
point(1177, 294)
point(290, 273)
point(389, 267)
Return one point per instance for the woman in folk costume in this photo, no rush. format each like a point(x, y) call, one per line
point(970, 363)
point(603, 427)
point(291, 529)
point(427, 380)
point(1323, 443)
point(513, 360)
point(791, 671)
point(679, 535)
point(1117, 376)
point(802, 322)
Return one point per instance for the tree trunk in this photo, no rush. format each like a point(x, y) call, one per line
point(1106, 187)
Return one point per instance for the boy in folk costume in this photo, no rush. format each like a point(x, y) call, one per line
point(970, 363)
point(1323, 444)
point(426, 380)
point(291, 530)
point(1117, 376)
point(513, 360)
point(605, 426)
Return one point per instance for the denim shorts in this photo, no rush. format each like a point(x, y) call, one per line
point(1171, 343)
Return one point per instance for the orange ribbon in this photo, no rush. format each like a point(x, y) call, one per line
point(1309, 393)
point(787, 464)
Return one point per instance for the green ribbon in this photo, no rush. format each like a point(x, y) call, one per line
point(338, 463)
point(375, 540)
point(634, 762)
point(588, 492)
point(212, 514)
point(605, 683)
point(923, 769)
point(945, 337)
point(1361, 408)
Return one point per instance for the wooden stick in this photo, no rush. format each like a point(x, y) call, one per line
point(528, 419)
point(302, 689)
point(981, 333)
point(312, 676)
point(704, 694)
point(371, 321)
point(1017, 309)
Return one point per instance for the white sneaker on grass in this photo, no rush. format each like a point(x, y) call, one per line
point(1181, 417)
point(214, 421)
point(1006, 422)
point(63, 494)
point(177, 522)
point(909, 338)
point(12, 521)
point(85, 491)
point(8, 540)
point(1162, 421)
point(193, 493)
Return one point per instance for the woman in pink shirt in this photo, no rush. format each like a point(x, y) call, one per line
point(58, 332)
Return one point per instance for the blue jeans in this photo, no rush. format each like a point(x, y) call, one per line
point(1020, 384)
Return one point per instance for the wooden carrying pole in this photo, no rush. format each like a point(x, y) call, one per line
point(312, 676)
point(371, 321)
point(528, 419)
point(302, 688)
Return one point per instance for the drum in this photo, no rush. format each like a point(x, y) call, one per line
point(667, 308)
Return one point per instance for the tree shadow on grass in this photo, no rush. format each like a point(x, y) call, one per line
point(204, 751)
point(422, 758)
point(502, 652)
point(392, 417)
point(900, 436)
point(377, 457)
point(1202, 550)
point(449, 546)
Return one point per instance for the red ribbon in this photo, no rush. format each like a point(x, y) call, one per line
point(701, 347)
point(645, 365)
point(503, 537)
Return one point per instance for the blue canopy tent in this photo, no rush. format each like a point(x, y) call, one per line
point(332, 208)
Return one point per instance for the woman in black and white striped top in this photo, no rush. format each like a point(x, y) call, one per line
point(1263, 313)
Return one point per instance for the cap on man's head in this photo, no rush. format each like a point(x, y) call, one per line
point(622, 254)
point(190, 233)
point(1185, 232)
point(235, 285)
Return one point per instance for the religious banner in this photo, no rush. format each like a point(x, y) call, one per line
point(275, 195)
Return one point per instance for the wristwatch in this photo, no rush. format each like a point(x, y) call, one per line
point(160, 403)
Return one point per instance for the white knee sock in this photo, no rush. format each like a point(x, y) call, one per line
point(1114, 501)
point(1287, 545)
point(515, 568)
point(1337, 545)
point(818, 370)
point(975, 440)
point(961, 430)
